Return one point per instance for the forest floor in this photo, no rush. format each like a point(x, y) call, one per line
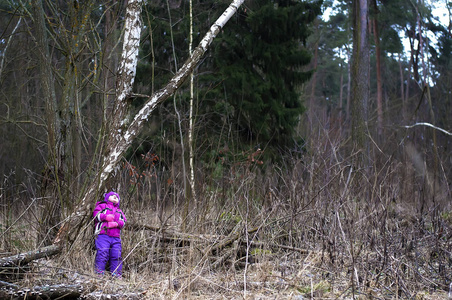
point(290, 276)
point(175, 266)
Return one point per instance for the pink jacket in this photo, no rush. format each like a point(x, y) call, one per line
point(104, 208)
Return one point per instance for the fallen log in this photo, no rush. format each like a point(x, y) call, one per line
point(170, 235)
point(227, 241)
point(217, 243)
point(60, 291)
point(118, 296)
point(65, 291)
point(8, 285)
point(27, 257)
point(279, 246)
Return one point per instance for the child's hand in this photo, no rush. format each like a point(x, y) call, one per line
point(109, 218)
point(112, 224)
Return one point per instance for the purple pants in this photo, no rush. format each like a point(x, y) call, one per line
point(108, 250)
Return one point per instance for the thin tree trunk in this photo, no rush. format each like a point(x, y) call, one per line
point(122, 138)
point(402, 94)
point(191, 129)
point(408, 77)
point(378, 66)
point(429, 100)
point(47, 83)
point(421, 48)
point(179, 122)
point(191, 125)
point(341, 92)
point(349, 85)
point(2, 63)
point(52, 179)
point(360, 74)
point(314, 78)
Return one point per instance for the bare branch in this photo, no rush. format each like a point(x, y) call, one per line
point(429, 125)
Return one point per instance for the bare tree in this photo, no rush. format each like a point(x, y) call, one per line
point(121, 136)
point(53, 123)
point(69, 76)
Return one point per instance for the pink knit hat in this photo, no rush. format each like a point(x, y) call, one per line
point(107, 195)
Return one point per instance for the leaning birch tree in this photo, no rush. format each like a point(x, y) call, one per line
point(122, 133)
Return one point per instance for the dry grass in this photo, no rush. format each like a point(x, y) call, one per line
point(321, 229)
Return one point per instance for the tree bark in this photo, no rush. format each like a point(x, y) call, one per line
point(191, 128)
point(341, 105)
point(314, 76)
point(60, 291)
point(65, 291)
point(402, 84)
point(378, 67)
point(24, 258)
point(349, 86)
point(121, 138)
point(127, 68)
point(360, 74)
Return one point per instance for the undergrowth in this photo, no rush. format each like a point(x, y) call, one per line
point(319, 227)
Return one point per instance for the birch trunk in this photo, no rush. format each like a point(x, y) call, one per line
point(191, 125)
point(127, 68)
point(120, 136)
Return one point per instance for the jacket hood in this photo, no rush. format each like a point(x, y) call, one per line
point(107, 195)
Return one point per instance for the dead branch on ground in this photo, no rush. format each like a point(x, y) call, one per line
point(27, 257)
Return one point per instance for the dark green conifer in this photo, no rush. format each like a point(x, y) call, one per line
point(250, 79)
point(260, 60)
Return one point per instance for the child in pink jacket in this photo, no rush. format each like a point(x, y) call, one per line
point(108, 220)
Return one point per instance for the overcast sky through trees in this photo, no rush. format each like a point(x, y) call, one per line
point(439, 11)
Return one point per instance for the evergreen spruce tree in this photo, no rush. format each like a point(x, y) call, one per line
point(259, 62)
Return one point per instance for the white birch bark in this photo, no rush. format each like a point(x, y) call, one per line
point(429, 125)
point(122, 138)
point(127, 66)
point(2, 63)
point(191, 125)
point(163, 94)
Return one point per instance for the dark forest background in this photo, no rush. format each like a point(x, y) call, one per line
point(291, 134)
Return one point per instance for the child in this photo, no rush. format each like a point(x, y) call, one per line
point(108, 220)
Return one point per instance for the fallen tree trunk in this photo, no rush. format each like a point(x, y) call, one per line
point(118, 296)
point(217, 242)
point(170, 235)
point(66, 291)
point(8, 285)
point(27, 257)
point(227, 241)
point(60, 291)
